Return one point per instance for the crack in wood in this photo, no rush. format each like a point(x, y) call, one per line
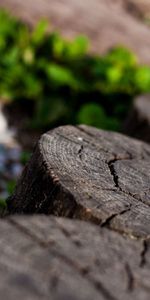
point(111, 166)
point(80, 152)
point(107, 222)
point(133, 196)
point(143, 253)
point(130, 277)
point(113, 172)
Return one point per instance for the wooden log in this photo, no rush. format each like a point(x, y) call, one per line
point(88, 174)
point(52, 258)
point(138, 121)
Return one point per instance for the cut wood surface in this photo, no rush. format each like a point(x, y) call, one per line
point(105, 22)
point(44, 257)
point(89, 174)
point(138, 121)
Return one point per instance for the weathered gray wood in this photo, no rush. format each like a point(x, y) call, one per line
point(138, 121)
point(89, 174)
point(106, 23)
point(49, 258)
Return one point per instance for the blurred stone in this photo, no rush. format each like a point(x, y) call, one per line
point(6, 134)
point(138, 121)
point(16, 169)
point(10, 153)
point(105, 22)
point(139, 8)
point(10, 168)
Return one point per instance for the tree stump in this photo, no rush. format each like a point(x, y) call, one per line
point(138, 121)
point(88, 174)
point(52, 258)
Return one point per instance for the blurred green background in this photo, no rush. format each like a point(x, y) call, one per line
point(60, 82)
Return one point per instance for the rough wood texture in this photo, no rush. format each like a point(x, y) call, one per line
point(106, 22)
point(138, 122)
point(89, 174)
point(50, 258)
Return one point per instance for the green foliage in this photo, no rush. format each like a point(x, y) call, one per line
point(11, 186)
point(2, 204)
point(25, 156)
point(94, 115)
point(62, 81)
point(142, 78)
